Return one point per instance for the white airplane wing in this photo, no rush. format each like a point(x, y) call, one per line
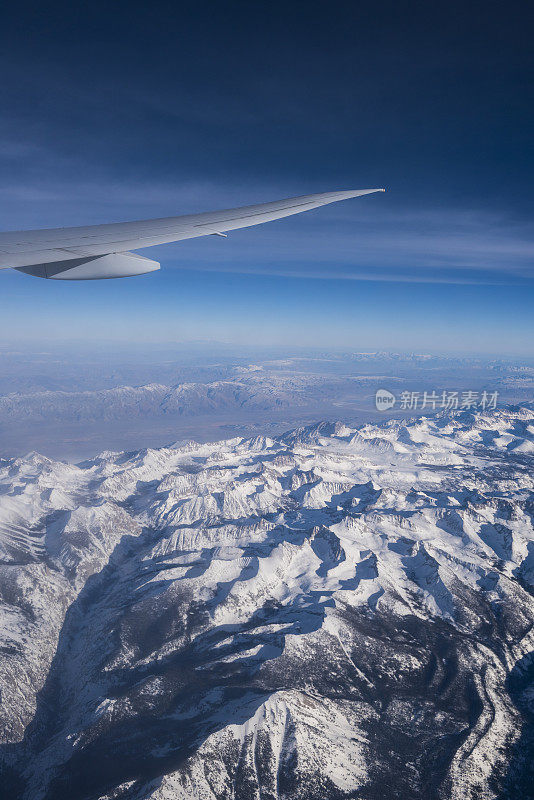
point(101, 251)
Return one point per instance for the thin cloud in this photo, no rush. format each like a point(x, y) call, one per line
point(343, 276)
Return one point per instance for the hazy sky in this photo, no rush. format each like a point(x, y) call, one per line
point(113, 112)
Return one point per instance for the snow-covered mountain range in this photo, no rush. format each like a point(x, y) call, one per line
point(332, 613)
point(69, 405)
point(256, 391)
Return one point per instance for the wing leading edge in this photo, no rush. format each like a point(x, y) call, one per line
point(100, 251)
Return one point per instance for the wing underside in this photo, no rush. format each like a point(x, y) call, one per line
point(101, 251)
point(92, 268)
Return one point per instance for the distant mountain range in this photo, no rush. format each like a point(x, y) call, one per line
point(333, 613)
point(250, 390)
point(68, 406)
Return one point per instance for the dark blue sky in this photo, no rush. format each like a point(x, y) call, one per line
point(113, 111)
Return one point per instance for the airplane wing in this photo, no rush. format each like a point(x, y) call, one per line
point(101, 251)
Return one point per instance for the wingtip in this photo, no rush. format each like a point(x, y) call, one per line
point(366, 191)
